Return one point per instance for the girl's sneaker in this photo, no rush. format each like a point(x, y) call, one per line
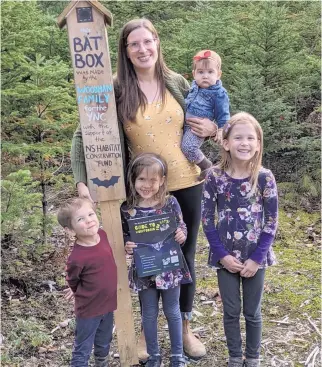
point(154, 361)
point(176, 361)
point(235, 362)
point(250, 362)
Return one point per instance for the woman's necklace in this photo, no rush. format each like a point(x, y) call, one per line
point(148, 91)
point(155, 95)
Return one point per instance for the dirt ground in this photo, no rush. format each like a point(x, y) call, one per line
point(38, 324)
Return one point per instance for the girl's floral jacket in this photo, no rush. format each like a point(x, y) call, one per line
point(245, 226)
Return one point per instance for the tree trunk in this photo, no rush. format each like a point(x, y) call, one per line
point(44, 201)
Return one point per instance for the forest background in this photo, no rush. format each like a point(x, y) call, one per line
point(271, 68)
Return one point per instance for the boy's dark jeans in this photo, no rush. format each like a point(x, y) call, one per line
point(229, 286)
point(91, 331)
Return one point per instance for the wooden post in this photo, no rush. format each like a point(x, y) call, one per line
point(88, 43)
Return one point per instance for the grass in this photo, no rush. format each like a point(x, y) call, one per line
point(292, 293)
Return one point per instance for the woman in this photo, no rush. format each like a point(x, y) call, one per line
point(150, 106)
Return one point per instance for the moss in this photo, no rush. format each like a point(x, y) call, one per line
point(207, 283)
point(61, 281)
point(295, 281)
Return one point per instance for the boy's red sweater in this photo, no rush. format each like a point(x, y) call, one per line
point(92, 276)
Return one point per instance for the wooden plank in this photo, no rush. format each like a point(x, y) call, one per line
point(110, 211)
point(107, 14)
point(61, 20)
point(96, 104)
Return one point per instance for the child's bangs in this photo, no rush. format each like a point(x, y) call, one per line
point(202, 64)
point(150, 165)
point(155, 170)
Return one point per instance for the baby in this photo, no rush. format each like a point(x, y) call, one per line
point(207, 98)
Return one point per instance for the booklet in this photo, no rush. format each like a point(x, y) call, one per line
point(157, 251)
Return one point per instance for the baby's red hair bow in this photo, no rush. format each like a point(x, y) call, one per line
point(206, 55)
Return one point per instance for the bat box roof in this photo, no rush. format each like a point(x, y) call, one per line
point(108, 18)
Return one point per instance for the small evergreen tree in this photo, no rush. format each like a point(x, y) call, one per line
point(38, 104)
point(20, 209)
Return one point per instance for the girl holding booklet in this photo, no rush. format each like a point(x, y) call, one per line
point(147, 182)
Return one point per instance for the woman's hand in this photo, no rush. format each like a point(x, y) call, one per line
point(230, 263)
point(129, 246)
point(250, 268)
point(180, 236)
point(202, 127)
point(83, 191)
point(218, 138)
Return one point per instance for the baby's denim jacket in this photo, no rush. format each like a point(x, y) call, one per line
point(211, 102)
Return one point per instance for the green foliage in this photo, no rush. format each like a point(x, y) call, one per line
point(28, 334)
point(38, 105)
point(20, 207)
point(271, 68)
point(303, 192)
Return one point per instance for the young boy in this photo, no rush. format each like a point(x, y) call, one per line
point(207, 98)
point(92, 276)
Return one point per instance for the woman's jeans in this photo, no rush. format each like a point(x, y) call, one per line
point(190, 202)
point(229, 286)
point(150, 311)
point(91, 331)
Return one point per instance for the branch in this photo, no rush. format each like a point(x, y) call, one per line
point(54, 196)
point(9, 199)
point(314, 357)
point(313, 353)
point(315, 327)
point(283, 322)
point(44, 109)
point(62, 161)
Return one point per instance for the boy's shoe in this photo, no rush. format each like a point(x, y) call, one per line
point(154, 361)
point(252, 362)
point(235, 362)
point(176, 361)
point(101, 361)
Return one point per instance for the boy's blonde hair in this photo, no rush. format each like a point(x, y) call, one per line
point(256, 162)
point(136, 166)
point(205, 56)
point(67, 210)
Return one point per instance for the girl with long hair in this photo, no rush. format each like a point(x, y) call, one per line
point(242, 196)
point(147, 183)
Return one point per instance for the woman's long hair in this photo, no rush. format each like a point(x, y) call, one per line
point(131, 96)
point(255, 163)
point(150, 161)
